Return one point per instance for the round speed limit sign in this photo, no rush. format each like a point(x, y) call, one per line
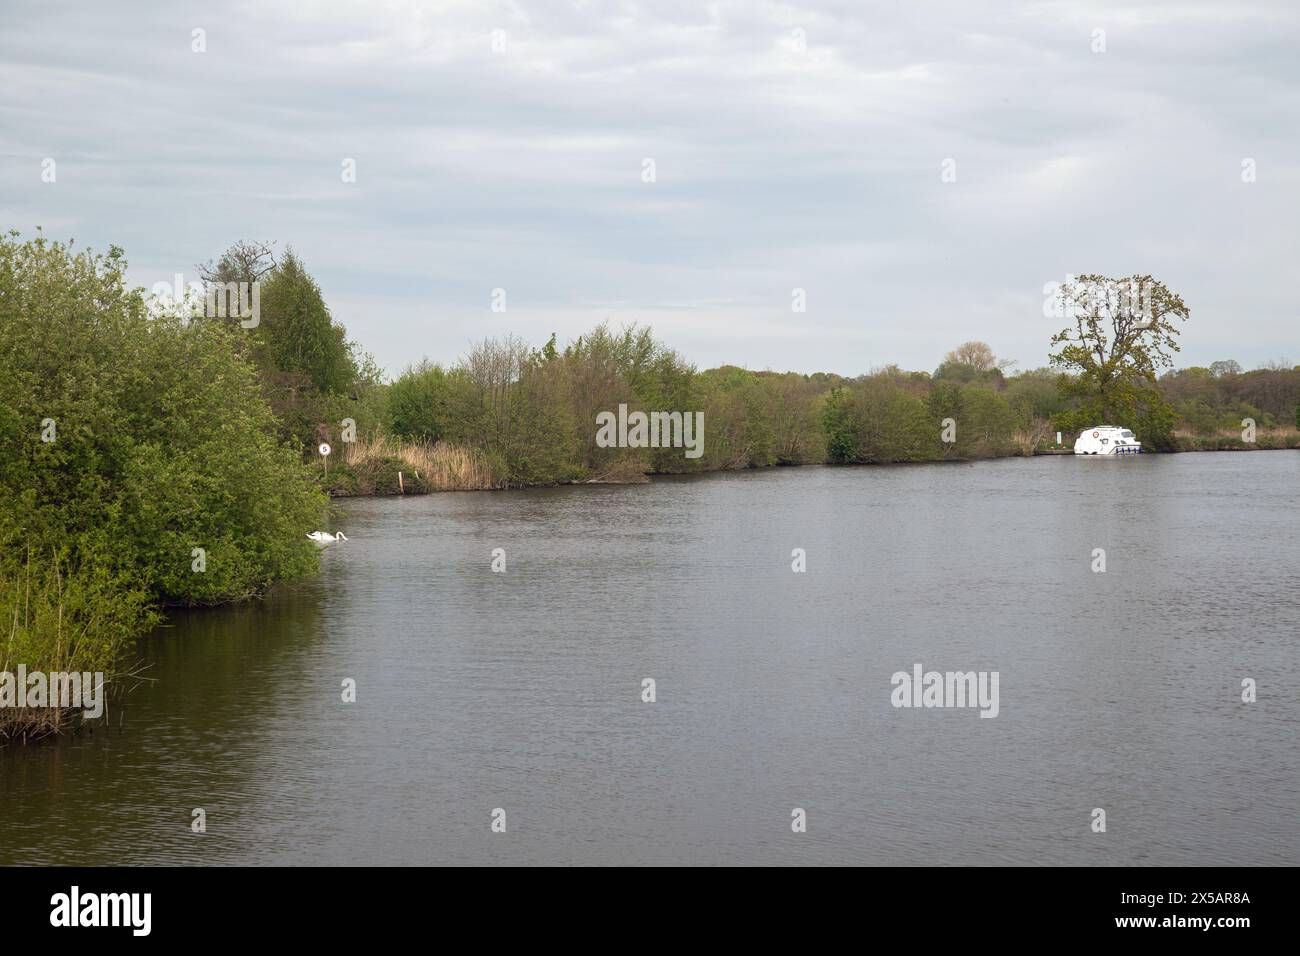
point(325, 448)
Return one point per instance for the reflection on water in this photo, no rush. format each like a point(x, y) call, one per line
point(522, 690)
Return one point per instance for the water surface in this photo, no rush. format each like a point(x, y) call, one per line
point(522, 690)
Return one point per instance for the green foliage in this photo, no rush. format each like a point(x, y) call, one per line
point(532, 412)
point(879, 418)
point(972, 362)
point(1122, 331)
point(963, 374)
point(984, 424)
point(1034, 396)
point(300, 338)
point(177, 435)
point(379, 475)
point(162, 443)
point(64, 617)
point(309, 373)
point(945, 400)
point(838, 428)
point(1218, 398)
point(419, 403)
point(1234, 442)
point(739, 420)
point(510, 402)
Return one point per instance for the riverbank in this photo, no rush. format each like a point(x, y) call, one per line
point(1233, 441)
point(50, 608)
point(382, 466)
point(68, 628)
point(387, 467)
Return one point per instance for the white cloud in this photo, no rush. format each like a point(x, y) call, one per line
point(776, 167)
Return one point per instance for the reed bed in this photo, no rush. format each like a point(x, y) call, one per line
point(1028, 440)
point(55, 619)
point(427, 466)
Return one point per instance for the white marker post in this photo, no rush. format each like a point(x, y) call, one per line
point(325, 454)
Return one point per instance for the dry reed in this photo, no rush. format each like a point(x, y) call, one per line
point(437, 466)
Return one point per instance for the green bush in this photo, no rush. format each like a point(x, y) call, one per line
point(878, 419)
point(64, 618)
point(161, 443)
point(378, 476)
point(418, 403)
point(984, 424)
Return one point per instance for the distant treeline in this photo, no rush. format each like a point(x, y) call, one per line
point(1211, 400)
point(531, 412)
point(513, 413)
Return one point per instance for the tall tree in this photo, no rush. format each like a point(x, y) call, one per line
point(1122, 331)
point(973, 361)
point(245, 261)
point(301, 337)
point(231, 279)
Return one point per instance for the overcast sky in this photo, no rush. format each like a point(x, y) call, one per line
point(794, 146)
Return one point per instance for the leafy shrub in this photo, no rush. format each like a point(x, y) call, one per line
point(161, 441)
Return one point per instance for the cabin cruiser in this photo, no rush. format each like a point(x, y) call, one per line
point(1107, 440)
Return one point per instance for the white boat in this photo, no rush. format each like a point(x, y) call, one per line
point(1107, 440)
point(323, 539)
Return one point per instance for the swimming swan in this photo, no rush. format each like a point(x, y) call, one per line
point(323, 539)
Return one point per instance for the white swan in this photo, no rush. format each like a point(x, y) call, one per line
point(323, 539)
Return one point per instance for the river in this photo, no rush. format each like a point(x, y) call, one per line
point(522, 690)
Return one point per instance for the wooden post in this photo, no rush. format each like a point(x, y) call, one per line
point(400, 487)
